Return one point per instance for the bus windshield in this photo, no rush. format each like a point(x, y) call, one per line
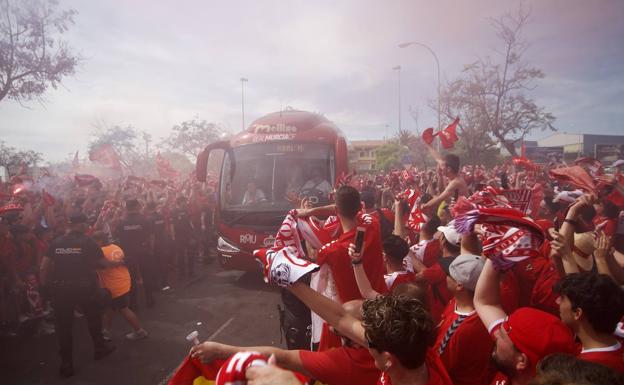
point(266, 174)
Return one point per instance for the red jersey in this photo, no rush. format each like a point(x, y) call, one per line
point(536, 278)
point(435, 370)
point(398, 277)
point(438, 295)
point(336, 255)
point(465, 366)
point(611, 356)
point(341, 366)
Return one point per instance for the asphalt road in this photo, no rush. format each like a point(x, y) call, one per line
point(233, 307)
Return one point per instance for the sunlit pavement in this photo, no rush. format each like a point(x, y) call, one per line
point(237, 307)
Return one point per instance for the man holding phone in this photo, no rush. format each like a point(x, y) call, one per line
point(364, 231)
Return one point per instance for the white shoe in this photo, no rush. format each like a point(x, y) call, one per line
point(137, 335)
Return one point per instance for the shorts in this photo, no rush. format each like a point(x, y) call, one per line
point(120, 302)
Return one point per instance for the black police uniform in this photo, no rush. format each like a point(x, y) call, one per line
point(161, 246)
point(74, 283)
point(184, 237)
point(134, 232)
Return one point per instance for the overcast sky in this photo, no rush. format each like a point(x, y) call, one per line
point(155, 63)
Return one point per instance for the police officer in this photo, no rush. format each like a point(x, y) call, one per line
point(161, 244)
point(182, 234)
point(69, 267)
point(135, 236)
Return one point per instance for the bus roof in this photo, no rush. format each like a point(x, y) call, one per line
point(289, 125)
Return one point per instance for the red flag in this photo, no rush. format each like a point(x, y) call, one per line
point(575, 176)
point(427, 135)
point(106, 155)
point(76, 161)
point(448, 136)
point(164, 168)
point(190, 369)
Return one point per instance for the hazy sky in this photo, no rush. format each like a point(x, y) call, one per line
point(155, 63)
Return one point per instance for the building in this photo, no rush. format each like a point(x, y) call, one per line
point(362, 154)
point(606, 148)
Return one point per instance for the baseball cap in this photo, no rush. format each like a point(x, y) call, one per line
point(538, 334)
point(465, 270)
point(450, 233)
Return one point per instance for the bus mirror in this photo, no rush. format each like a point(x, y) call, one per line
point(201, 167)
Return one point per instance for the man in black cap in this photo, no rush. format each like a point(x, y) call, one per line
point(136, 238)
point(69, 266)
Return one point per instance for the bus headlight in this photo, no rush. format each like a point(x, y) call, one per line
point(226, 247)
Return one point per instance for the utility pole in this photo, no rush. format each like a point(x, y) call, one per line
point(398, 69)
point(243, 81)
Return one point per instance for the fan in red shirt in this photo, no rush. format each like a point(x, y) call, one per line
point(591, 305)
point(335, 254)
point(394, 250)
point(349, 363)
point(463, 343)
point(438, 294)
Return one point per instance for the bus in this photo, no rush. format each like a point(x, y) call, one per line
point(279, 156)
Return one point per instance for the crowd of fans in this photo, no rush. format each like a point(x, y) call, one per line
point(464, 275)
point(508, 275)
point(151, 235)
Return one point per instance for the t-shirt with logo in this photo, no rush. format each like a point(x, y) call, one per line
point(74, 256)
point(467, 353)
point(115, 279)
point(344, 365)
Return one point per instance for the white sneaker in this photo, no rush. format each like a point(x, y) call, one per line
point(137, 335)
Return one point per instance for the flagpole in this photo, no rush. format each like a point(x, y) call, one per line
point(407, 44)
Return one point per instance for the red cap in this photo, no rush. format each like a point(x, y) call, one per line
point(538, 334)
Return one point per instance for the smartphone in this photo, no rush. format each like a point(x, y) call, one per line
point(359, 239)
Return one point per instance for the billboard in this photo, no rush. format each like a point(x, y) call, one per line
point(544, 155)
point(608, 153)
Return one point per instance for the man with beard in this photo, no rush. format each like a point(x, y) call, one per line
point(521, 339)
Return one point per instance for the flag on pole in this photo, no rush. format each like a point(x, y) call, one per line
point(106, 155)
point(448, 136)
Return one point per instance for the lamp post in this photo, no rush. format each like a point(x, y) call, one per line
point(243, 81)
point(409, 43)
point(398, 69)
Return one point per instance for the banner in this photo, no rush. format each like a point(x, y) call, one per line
point(544, 155)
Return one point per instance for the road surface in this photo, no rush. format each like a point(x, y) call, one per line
point(233, 307)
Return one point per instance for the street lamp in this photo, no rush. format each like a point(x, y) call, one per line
point(398, 69)
point(243, 81)
point(409, 43)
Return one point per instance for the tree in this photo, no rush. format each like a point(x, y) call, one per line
point(123, 140)
point(31, 56)
point(191, 136)
point(389, 156)
point(489, 95)
point(13, 159)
